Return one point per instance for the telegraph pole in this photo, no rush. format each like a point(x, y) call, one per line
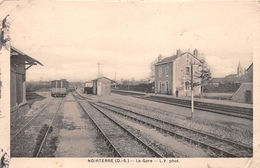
point(192, 101)
point(115, 80)
point(99, 69)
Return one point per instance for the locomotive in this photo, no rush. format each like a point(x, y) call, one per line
point(59, 88)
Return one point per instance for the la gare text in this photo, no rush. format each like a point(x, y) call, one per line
point(123, 160)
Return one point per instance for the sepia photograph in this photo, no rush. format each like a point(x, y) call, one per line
point(129, 83)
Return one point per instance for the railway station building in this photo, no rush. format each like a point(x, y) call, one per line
point(20, 62)
point(102, 86)
point(174, 73)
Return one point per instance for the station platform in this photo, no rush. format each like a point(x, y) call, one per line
point(205, 100)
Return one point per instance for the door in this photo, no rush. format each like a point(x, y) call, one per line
point(163, 87)
point(248, 96)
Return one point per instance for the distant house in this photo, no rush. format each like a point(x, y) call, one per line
point(240, 72)
point(102, 86)
point(174, 73)
point(232, 82)
point(20, 62)
point(226, 84)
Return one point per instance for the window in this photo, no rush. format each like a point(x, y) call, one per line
point(166, 71)
point(187, 85)
point(187, 70)
point(160, 72)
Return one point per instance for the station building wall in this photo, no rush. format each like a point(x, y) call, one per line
point(18, 102)
point(18, 63)
point(176, 73)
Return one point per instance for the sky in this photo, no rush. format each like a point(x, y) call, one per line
point(71, 38)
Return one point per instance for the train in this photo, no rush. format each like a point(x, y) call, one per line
point(72, 88)
point(88, 88)
point(59, 88)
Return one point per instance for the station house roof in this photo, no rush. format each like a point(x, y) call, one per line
point(174, 57)
point(22, 58)
point(103, 78)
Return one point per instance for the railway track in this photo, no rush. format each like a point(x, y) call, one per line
point(233, 111)
point(29, 140)
point(48, 130)
point(121, 141)
point(215, 108)
point(80, 97)
point(220, 147)
point(24, 121)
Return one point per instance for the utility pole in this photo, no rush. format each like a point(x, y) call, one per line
point(115, 80)
point(192, 101)
point(99, 69)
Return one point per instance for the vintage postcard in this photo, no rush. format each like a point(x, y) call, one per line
point(136, 83)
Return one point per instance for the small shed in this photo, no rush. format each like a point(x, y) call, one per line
point(102, 86)
point(244, 93)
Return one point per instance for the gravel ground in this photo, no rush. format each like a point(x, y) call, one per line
point(123, 142)
point(27, 143)
point(74, 135)
point(232, 128)
point(170, 146)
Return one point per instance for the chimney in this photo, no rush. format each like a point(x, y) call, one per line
point(159, 58)
point(195, 52)
point(178, 53)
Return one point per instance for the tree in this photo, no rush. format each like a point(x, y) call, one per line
point(132, 81)
point(123, 81)
point(151, 78)
point(204, 75)
point(201, 76)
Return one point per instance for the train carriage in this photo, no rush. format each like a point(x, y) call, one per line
point(59, 88)
point(72, 89)
point(88, 88)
